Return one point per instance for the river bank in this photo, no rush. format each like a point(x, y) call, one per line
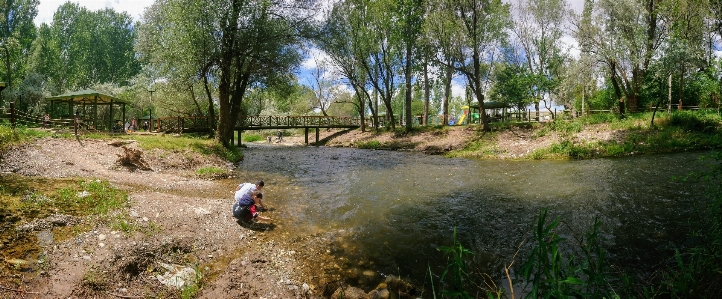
point(600, 137)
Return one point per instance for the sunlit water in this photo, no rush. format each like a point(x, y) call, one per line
point(396, 208)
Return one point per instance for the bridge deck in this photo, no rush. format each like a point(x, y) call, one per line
point(262, 122)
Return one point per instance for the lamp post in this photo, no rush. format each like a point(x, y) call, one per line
point(150, 120)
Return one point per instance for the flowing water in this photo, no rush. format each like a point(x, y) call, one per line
point(395, 209)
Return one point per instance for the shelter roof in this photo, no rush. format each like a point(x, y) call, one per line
point(86, 96)
point(492, 105)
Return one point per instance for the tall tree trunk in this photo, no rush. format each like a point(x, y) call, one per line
point(211, 107)
point(224, 129)
point(476, 84)
point(407, 71)
point(195, 100)
point(362, 110)
point(447, 93)
point(7, 66)
point(425, 120)
point(681, 87)
point(617, 88)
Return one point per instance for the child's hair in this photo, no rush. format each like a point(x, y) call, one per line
point(257, 194)
point(259, 183)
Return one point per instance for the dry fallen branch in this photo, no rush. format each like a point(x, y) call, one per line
point(132, 158)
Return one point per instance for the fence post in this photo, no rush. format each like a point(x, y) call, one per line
point(12, 115)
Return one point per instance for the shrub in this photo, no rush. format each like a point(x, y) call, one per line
point(373, 144)
point(694, 121)
point(252, 138)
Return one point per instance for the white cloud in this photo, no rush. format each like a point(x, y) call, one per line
point(458, 88)
point(314, 55)
point(134, 8)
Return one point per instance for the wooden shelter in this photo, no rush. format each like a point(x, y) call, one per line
point(85, 105)
point(496, 111)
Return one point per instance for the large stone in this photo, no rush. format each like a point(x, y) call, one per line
point(349, 293)
point(379, 294)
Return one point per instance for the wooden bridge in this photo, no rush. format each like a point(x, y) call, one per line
point(295, 122)
point(189, 124)
point(257, 122)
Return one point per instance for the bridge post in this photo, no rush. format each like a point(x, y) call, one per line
point(306, 131)
point(317, 129)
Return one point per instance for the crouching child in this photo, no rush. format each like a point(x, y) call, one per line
point(245, 210)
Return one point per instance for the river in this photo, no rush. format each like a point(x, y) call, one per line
point(395, 209)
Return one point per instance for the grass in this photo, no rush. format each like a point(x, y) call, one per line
point(39, 198)
point(202, 145)
point(252, 137)
point(124, 223)
point(10, 137)
point(89, 197)
point(372, 144)
point(210, 171)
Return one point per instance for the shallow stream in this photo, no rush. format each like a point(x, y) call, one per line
point(395, 209)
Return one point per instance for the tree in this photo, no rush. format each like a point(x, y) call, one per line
point(339, 38)
point(684, 50)
point(539, 29)
point(176, 41)
point(512, 85)
point(249, 44)
point(471, 39)
point(81, 48)
point(45, 59)
point(625, 35)
point(378, 54)
point(322, 86)
point(409, 21)
point(17, 32)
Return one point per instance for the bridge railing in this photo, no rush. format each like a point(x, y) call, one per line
point(194, 123)
point(296, 121)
